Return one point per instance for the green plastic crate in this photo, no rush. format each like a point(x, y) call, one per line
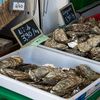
point(95, 96)
point(6, 94)
point(79, 4)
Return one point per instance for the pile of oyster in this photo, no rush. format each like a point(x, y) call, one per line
point(64, 82)
point(81, 38)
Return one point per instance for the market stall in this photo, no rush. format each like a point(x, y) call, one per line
point(50, 50)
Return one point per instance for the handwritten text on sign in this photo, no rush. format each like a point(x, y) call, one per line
point(26, 32)
point(18, 6)
point(68, 14)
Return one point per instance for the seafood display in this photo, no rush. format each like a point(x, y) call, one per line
point(81, 38)
point(64, 82)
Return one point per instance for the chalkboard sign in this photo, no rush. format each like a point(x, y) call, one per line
point(68, 14)
point(26, 31)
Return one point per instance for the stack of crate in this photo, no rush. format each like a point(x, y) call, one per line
point(6, 16)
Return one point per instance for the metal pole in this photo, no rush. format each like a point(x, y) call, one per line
point(39, 6)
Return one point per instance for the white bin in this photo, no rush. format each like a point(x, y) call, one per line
point(39, 55)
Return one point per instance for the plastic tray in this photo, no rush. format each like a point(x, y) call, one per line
point(41, 55)
point(6, 94)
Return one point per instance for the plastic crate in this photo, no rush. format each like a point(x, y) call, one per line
point(6, 94)
point(43, 55)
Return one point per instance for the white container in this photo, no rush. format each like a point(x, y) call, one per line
point(39, 55)
point(72, 55)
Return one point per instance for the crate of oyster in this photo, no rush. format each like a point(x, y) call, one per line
point(44, 74)
point(81, 38)
point(5, 14)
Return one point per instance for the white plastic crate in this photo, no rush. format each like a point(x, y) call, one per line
point(39, 55)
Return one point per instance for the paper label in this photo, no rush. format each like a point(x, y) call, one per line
point(39, 40)
point(18, 6)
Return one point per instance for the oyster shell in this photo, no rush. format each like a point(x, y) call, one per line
point(18, 75)
point(11, 62)
point(40, 86)
point(53, 44)
point(74, 34)
point(54, 76)
point(96, 30)
point(87, 72)
point(75, 51)
point(66, 85)
point(95, 52)
point(60, 36)
point(80, 27)
point(39, 73)
point(90, 43)
point(26, 67)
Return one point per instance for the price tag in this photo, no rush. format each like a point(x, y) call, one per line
point(28, 32)
point(39, 40)
point(68, 14)
point(19, 6)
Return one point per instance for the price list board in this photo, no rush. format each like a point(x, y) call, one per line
point(26, 32)
point(68, 14)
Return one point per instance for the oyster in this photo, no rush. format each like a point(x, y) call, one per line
point(96, 30)
point(80, 27)
point(53, 44)
point(39, 73)
point(87, 73)
point(26, 67)
point(54, 76)
point(82, 38)
point(11, 62)
point(60, 36)
point(66, 85)
point(75, 51)
point(70, 72)
point(18, 75)
point(90, 43)
point(40, 86)
point(95, 52)
point(92, 22)
point(73, 34)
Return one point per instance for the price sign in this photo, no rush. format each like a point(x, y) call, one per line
point(17, 5)
point(26, 32)
point(68, 14)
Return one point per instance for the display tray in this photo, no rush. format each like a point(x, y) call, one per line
point(40, 56)
point(74, 41)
